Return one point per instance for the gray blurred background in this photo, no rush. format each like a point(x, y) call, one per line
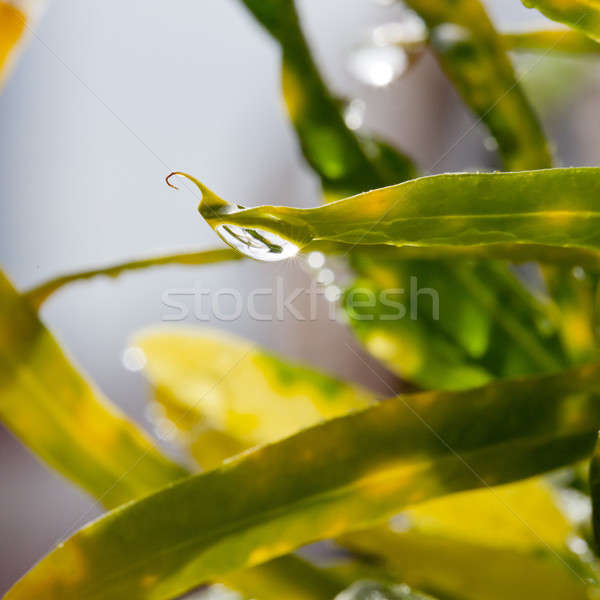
point(110, 96)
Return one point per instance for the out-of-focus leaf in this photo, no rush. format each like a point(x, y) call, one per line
point(522, 519)
point(370, 590)
point(551, 40)
point(340, 476)
point(266, 398)
point(453, 568)
point(583, 15)
point(53, 410)
point(39, 294)
point(14, 21)
point(453, 333)
point(472, 54)
point(574, 293)
point(344, 163)
point(555, 207)
point(70, 425)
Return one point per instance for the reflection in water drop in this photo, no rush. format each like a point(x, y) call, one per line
point(133, 359)
point(354, 114)
point(377, 66)
point(256, 243)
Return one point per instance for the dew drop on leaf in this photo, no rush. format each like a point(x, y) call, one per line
point(256, 243)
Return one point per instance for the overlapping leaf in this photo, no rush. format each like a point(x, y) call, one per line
point(66, 421)
point(519, 524)
point(342, 475)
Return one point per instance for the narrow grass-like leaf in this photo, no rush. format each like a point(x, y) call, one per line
point(555, 207)
point(583, 15)
point(595, 493)
point(70, 425)
point(342, 475)
point(39, 294)
point(473, 56)
point(54, 411)
point(551, 40)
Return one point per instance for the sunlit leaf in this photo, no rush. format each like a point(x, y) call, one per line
point(54, 411)
point(473, 56)
point(555, 207)
point(583, 15)
point(513, 524)
point(343, 475)
point(551, 40)
point(39, 294)
point(70, 425)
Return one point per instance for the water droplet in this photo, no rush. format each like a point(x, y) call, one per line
point(578, 273)
point(447, 35)
point(332, 293)
point(577, 545)
point(354, 114)
point(410, 33)
point(325, 276)
point(490, 143)
point(256, 243)
point(133, 359)
point(377, 66)
point(316, 260)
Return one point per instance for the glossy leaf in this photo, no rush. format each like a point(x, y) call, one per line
point(583, 15)
point(68, 423)
point(551, 40)
point(556, 207)
point(39, 294)
point(345, 474)
point(473, 56)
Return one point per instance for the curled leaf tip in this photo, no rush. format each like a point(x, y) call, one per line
point(168, 177)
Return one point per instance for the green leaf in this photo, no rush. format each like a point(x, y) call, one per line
point(517, 524)
point(462, 569)
point(370, 590)
point(39, 294)
point(71, 426)
point(553, 207)
point(345, 163)
point(473, 56)
point(583, 15)
point(552, 40)
point(68, 423)
point(340, 476)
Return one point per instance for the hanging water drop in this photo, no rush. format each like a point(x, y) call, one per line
point(256, 243)
point(377, 66)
